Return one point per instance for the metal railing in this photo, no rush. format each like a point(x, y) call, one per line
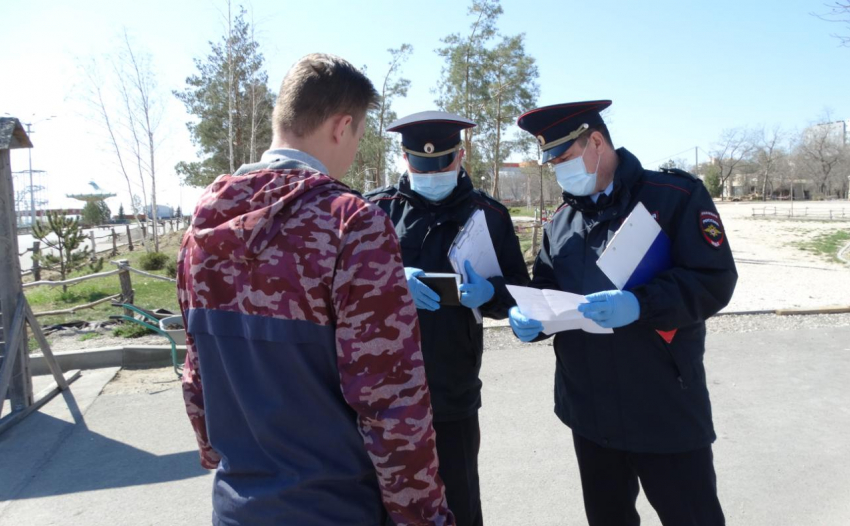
point(802, 212)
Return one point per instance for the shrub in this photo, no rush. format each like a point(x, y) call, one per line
point(171, 268)
point(153, 261)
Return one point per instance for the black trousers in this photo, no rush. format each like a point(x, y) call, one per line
point(682, 487)
point(458, 443)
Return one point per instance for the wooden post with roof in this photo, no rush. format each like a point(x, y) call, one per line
point(15, 374)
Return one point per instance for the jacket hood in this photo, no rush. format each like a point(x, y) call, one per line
point(238, 215)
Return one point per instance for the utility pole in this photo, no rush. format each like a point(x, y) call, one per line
point(29, 154)
point(696, 160)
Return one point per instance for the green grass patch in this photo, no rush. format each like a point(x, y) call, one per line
point(88, 336)
point(131, 330)
point(521, 211)
point(826, 245)
point(149, 293)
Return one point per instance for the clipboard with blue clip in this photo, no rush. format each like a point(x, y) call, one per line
point(639, 251)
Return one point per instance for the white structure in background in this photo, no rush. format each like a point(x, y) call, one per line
point(837, 132)
point(162, 212)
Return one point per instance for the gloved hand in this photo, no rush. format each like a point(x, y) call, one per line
point(477, 292)
point(423, 297)
point(611, 309)
point(524, 327)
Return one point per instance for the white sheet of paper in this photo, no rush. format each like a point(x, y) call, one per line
point(473, 243)
point(555, 309)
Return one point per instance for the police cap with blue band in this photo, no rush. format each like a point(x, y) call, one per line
point(431, 139)
point(557, 127)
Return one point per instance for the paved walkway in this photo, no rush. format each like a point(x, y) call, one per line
point(782, 457)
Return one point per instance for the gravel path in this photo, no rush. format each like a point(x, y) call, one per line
point(499, 338)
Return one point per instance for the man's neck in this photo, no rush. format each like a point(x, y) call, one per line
point(280, 143)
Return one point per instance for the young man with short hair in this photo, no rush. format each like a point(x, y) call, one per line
point(304, 378)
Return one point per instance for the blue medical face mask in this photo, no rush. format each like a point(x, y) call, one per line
point(573, 177)
point(434, 186)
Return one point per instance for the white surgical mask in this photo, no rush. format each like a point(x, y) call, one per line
point(573, 177)
point(435, 186)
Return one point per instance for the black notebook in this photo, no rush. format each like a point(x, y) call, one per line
point(447, 286)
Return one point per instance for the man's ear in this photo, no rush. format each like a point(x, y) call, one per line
point(597, 138)
point(459, 159)
point(341, 126)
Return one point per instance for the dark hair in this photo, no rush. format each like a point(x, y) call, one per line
point(601, 128)
point(317, 87)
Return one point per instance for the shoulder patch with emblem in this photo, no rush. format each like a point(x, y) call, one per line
point(712, 228)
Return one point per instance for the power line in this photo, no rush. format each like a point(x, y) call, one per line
point(667, 157)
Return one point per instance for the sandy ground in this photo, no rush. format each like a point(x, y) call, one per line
point(773, 272)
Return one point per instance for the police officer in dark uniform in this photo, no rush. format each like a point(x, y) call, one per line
point(428, 206)
point(636, 400)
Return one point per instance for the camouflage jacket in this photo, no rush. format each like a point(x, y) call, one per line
point(304, 379)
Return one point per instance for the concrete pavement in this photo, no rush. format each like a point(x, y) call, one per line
point(782, 412)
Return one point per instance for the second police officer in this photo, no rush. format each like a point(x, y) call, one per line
point(636, 399)
point(428, 206)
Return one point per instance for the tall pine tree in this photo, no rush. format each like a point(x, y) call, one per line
point(489, 83)
point(232, 102)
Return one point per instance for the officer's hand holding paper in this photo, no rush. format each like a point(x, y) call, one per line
point(556, 310)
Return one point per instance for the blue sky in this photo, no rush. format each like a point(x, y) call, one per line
point(679, 73)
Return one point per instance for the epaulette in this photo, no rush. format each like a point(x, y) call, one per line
point(680, 173)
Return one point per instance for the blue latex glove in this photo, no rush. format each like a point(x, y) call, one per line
point(423, 297)
point(477, 292)
point(611, 309)
point(524, 327)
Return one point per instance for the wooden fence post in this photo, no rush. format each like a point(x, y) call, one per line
point(126, 284)
point(114, 243)
point(93, 245)
point(36, 264)
point(129, 237)
point(145, 231)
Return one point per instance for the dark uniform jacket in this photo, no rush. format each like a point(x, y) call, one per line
point(631, 390)
point(452, 341)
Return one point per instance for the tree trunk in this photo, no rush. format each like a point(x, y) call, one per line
point(229, 93)
point(496, 192)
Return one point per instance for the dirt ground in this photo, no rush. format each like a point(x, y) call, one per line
point(773, 272)
point(142, 381)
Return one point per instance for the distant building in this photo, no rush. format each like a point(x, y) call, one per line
point(162, 212)
point(837, 132)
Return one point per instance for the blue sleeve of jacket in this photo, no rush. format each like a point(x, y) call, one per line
point(703, 276)
point(514, 272)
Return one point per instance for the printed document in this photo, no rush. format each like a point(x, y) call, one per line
point(556, 310)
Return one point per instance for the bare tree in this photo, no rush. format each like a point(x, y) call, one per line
point(735, 146)
point(839, 12)
point(821, 153)
point(94, 96)
point(127, 106)
point(144, 111)
point(768, 152)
